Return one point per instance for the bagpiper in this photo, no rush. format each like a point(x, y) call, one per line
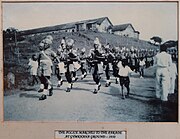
point(97, 58)
point(60, 66)
point(109, 58)
point(83, 62)
point(71, 57)
point(46, 56)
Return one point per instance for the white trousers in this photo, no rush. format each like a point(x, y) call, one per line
point(162, 83)
point(172, 84)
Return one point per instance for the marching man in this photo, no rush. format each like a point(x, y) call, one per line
point(97, 59)
point(71, 57)
point(45, 66)
point(83, 58)
point(109, 58)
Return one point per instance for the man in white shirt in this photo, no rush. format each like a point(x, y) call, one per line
point(163, 62)
point(141, 67)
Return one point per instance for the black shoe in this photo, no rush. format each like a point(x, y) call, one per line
point(76, 79)
point(127, 96)
point(51, 91)
point(99, 86)
point(95, 91)
point(106, 85)
point(123, 97)
point(116, 81)
point(61, 83)
point(82, 77)
point(68, 90)
point(43, 97)
point(71, 86)
point(40, 90)
point(85, 75)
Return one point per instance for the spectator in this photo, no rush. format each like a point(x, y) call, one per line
point(163, 62)
point(33, 65)
point(173, 74)
point(141, 67)
point(124, 72)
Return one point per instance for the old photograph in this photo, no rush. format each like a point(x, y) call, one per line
point(90, 61)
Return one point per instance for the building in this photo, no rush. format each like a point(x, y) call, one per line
point(102, 24)
point(99, 24)
point(126, 30)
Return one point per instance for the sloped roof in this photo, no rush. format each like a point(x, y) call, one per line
point(64, 26)
point(120, 27)
point(97, 20)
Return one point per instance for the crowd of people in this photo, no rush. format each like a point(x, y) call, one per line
point(101, 60)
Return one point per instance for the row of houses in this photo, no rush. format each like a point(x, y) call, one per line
point(99, 24)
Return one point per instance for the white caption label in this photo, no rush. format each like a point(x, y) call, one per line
point(73, 134)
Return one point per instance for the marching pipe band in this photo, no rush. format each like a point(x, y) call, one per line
point(101, 59)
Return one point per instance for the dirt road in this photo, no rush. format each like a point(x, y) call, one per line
point(82, 105)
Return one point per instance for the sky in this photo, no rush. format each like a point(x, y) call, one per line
point(149, 18)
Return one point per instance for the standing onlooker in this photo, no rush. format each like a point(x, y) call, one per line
point(173, 73)
point(33, 64)
point(141, 67)
point(163, 62)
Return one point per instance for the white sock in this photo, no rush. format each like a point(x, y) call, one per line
point(49, 86)
point(45, 92)
point(96, 87)
point(41, 86)
point(107, 81)
point(69, 85)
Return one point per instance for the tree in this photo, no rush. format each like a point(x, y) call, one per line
point(156, 40)
point(171, 43)
point(11, 30)
point(11, 34)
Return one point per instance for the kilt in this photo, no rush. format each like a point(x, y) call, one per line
point(33, 71)
point(110, 66)
point(45, 68)
point(61, 67)
point(76, 66)
point(71, 68)
point(100, 68)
